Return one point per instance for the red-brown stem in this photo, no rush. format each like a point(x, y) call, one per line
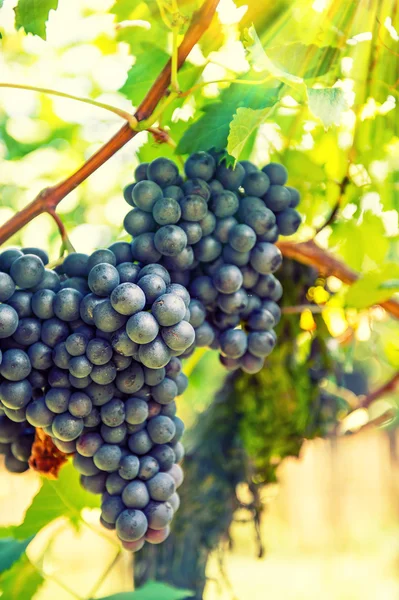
point(48, 199)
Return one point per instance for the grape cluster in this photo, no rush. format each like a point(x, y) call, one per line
point(89, 354)
point(89, 351)
point(216, 232)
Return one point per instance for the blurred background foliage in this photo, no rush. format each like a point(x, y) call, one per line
point(347, 174)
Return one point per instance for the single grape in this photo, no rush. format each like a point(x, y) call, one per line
point(106, 318)
point(131, 525)
point(144, 250)
point(101, 256)
point(233, 343)
point(168, 309)
point(15, 394)
point(20, 301)
point(165, 392)
point(161, 487)
point(288, 221)
point(27, 271)
point(8, 321)
point(276, 173)
point(161, 429)
point(266, 258)
point(200, 164)
point(145, 194)
point(228, 279)
point(166, 211)
point(66, 427)
point(108, 457)
point(76, 264)
point(170, 240)
point(130, 380)
point(230, 178)
point(135, 495)
point(7, 287)
point(15, 365)
point(67, 304)
point(251, 364)
point(242, 238)
point(163, 172)
point(140, 443)
point(224, 204)
point(138, 221)
point(122, 252)
point(140, 172)
point(129, 467)
point(38, 415)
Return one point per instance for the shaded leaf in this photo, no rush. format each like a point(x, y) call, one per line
point(64, 497)
point(21, 582)
point(327, 104)
point(153, 590)
point(306, 60)
point(244, 123)
point(213, 127)
point(10, 551)
point(32, 15)
point(352, 241)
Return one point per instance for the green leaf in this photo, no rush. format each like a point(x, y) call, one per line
point(213, 127)
point(10, 551)
point(64, 497)
point(261, 63)
point(21, 582)
point(144, 72)
point(327, 104)
point(32, 15)
point(244, 123)
point(153, 590)
point(374, 287)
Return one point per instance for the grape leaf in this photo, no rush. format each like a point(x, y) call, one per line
point(261, 63)
point(372, 287)
point(244, 123)
point(327, 104)
point(213, 127)
point(32, 15)
point(143, 73)
point(10, 551)
point(21, 581)
point(153, 590)
point(64, 497)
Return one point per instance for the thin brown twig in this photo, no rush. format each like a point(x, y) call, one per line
point(387, 388)
point(49, 198)
point(334, 212)
point(300, 308)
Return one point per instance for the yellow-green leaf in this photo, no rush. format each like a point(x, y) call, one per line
point(244, 123)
